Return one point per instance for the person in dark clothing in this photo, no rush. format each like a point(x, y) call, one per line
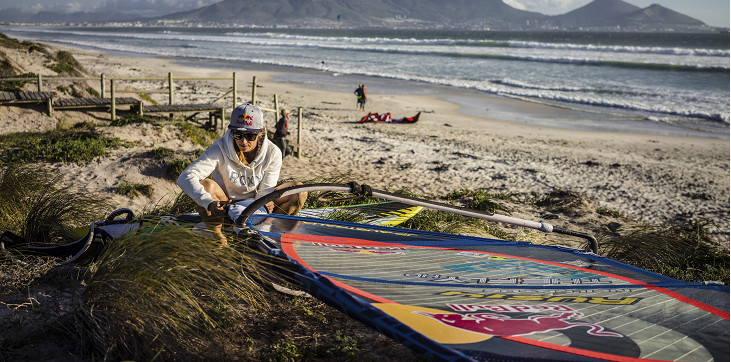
point(360, 97)
point(281, 132)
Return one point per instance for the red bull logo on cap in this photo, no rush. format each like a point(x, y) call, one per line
point(495, 324)
point(245, 119)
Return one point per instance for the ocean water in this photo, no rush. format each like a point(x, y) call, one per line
point(673, 84)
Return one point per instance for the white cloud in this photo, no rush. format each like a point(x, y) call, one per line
point(74, 7)
point(548, 7)
point(515, 3)
point(34, 8)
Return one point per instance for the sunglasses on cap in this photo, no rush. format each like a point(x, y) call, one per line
point(244, 135)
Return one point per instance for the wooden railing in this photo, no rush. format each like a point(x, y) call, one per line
point(113, 92)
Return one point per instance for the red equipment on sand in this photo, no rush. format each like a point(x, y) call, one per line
point(386, 117)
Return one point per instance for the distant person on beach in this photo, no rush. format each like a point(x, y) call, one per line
point(243, 165)
point(281, 132)
point(360, 97)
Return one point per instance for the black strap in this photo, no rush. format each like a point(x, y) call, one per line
point(11, 239)
point(360, 190)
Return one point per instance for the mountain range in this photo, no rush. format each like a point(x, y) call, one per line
point(599, 15)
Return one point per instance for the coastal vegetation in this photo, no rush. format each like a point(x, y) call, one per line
point(82, 142)
point(63, 62)
point(12, 43)
point(134, 189)
point(75, 145)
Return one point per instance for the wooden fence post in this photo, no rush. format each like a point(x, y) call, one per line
point(40, 83)
point(235, 93)
point(170, 90)
point(299, 132)
point(114, 103)
point(102, 87)
point(276, 109)
point(253, 91)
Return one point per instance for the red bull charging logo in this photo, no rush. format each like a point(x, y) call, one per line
point(495, 324)
point(245, 119)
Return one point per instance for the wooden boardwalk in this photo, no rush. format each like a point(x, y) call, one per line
point(24, 97)
point(71, 103)
point(27, 97)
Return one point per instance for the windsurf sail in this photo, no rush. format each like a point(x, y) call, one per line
point(455, 297)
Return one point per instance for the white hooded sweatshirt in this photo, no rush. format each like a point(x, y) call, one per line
point(238, 181)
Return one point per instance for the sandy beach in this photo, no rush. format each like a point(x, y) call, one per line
point(649, 178)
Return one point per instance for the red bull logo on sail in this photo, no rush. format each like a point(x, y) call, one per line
point(502, 325)
point(369, 252)
point(509, 308)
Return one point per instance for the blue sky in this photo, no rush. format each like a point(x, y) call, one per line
point(711, 12)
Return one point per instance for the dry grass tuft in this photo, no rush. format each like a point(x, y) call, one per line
point(35, 205)
point(163, 294)
point(568, 202)
point(683, 252)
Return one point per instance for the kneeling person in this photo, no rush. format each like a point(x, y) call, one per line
point(243, 165)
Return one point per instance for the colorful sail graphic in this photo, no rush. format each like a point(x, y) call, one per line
point(455, 297)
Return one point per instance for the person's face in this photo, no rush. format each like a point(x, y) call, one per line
point(246, 141)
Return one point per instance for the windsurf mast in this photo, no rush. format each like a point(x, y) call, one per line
point(366, 190)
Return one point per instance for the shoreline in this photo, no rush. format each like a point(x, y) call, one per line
point(481, 104)
point(476, 103)
point(651, 178)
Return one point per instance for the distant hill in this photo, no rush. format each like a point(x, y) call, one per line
point(657, 16)
point(607, 15)
point(603, 12)
point(355, 13)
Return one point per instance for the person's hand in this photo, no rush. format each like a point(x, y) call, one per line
point(270, 206)
point(218, 208)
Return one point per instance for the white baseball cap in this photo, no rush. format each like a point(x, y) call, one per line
point(247, 117)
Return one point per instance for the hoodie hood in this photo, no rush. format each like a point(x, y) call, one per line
point(227, 144)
